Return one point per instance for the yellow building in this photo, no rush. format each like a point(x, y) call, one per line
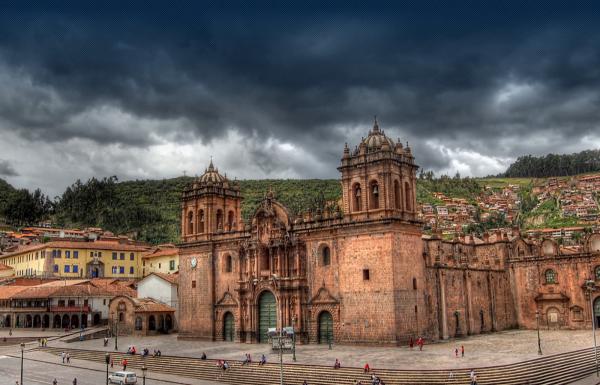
point(78, 259)
point(161, 259)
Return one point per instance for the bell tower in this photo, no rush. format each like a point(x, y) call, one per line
point(379, 178)
point(210, 205)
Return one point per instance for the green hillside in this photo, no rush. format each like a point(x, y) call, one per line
point(6, 195)
point(555, 165)
point(151, 208)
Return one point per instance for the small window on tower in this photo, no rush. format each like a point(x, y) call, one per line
point(193, 284)
point(326, 257)
point(366, 275)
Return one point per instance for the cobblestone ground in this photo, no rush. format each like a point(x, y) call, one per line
point(481, 350)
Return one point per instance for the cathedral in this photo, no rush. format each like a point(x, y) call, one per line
point(366, 274)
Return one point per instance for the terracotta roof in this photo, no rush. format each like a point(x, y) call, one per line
point(114, 287)
point(161, 252)
point(172, 278)
point(149, 305)
point(5, 267)
point(80, 290)
point(7, 292)
point(36, 292)
point(64, 282)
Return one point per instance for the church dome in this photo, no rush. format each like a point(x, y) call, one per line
point(377, 139)
point(212, 176)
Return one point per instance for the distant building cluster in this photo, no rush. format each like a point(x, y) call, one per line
point(452, 215)
point(71, 278)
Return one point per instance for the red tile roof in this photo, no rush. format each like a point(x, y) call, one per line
point(162, 251)
point(172, 278)
point(7, 292)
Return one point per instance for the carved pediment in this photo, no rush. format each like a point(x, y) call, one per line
point(227, 300)
point(323, 297)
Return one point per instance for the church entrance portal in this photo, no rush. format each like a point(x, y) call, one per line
point(325, 328)
point(267, 315)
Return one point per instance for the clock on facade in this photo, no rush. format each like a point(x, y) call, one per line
point(194, 262)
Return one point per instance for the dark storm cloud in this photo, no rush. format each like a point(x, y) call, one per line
point(6, 169)
point(452, 80)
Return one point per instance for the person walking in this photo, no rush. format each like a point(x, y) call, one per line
point(456, 352)
point(411, 343)
point(75, 381)
point(63, 356)
point(462, 351)
point(55, 382)
point(124, 364)
point(68, 358)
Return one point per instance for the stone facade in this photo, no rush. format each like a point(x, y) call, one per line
point(364, 273)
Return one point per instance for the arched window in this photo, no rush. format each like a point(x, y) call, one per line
point(138, 323)
point(407, 197)
point(597, 273)
point(219, 219)
point(121, 317)
point(397, 197)
point(326, 256)
point(230, 220)
point(357, 197)
point(190, 224)
point(228, 265)
point(201, 221)
point(374, 198)
point(550, 276)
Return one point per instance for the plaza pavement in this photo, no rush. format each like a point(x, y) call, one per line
point(481, 350)
point(41, 368)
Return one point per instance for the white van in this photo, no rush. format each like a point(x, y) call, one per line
point(123, 378)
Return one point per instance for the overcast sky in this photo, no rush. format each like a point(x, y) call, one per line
point(275, 92)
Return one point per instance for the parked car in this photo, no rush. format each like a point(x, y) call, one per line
point(122, 378)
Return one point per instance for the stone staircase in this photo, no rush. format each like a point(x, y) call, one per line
point(555, 369)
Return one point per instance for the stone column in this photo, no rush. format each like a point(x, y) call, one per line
point(442, 307)
point(468, 304)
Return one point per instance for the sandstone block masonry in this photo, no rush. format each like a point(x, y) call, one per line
point(363, 272)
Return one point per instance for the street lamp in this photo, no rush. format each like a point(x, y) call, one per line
point(116, 332)
point(278, 280)
point(329, 335)
point(22, 349)
point(590, 285)
point(144, 368)
point(107, 359)
point(537, 321)
point(293, 339)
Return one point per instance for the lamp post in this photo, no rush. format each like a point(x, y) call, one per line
point(537, 321)
point(293, 339)
point(144, 368)
point(107, 359)
point(116, 332)
point(590, 285)
point(22, 349)
point(277, 281)
point(329, 335)
point(80, 319)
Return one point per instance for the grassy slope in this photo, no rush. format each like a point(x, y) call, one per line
point(6, 191)
point(163, 196)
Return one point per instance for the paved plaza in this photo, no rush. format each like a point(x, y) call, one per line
point(481, 350)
